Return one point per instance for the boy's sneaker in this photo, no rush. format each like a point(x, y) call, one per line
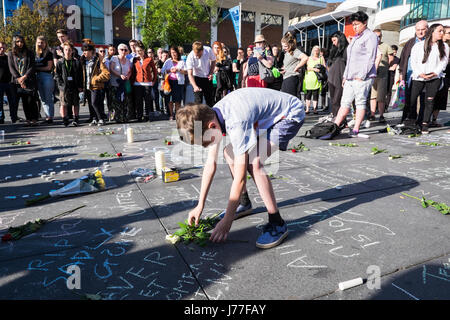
point(93, 123)
point(241, 211)
point(75, 122)
point(100, 123)
point(272, 236)
point(425, 129)
point(382, 119)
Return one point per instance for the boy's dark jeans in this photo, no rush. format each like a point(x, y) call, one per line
point(95, 101)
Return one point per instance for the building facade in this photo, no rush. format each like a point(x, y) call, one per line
point(104, 21)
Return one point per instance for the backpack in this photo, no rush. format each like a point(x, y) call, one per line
point(324, 131)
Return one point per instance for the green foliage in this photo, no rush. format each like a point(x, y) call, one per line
point(198, 234)
point(431, 144)
point(171, 22)
point(348, 145)
point(301, 147)
point(440, 206)
point(106, 155)
point(41, 20)
point(375, 150)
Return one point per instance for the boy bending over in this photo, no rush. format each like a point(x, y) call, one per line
point(258, 121)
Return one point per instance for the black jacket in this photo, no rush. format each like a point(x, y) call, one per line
point(30, 71)
point(404, 57)
point(61, 75)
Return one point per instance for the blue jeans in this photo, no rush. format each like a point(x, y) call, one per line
point(46, 85)
point(6, 88)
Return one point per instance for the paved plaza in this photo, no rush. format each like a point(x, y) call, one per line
point(346, 209)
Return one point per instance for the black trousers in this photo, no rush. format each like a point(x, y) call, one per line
point(290, 85)
point(95, 100)
point(143, 94)
point(155, 96)
point(29, 103)
point(335, 95)
point(431, 88)
point(207, 91)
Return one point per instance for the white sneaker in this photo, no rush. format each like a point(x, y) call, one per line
point(93, 123)
point(367, 124)
point(351, 123)
point(100, 123)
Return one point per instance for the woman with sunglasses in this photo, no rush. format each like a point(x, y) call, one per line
point(121, 68)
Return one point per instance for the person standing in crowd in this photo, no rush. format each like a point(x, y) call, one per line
point(379, 87)
point(311, 84)
point(260, 55)
point(244, 66)
point(429, 59)
point(405, 70)
point(324, 90)
point(440, 101)
point(144, 74)
point(237, 65)
point(57, 52)
point(6, 87)
point(130, 56)
point(393, 65)
point(22, 67)
point(359, 71)
point(121, 69)
point(176, 69)
point(278, 58)
point(200, 65)
point(95, 74)
point(186, 78)
point(111, 51)
point(164, 99)
point(155, 90)
point(336, 66)
point(294, 59)
point(102, 54)
point(69, 78)
point(45, 82)
point(224, 74)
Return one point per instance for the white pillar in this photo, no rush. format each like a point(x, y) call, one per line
point(257, 23)
point(108, 21)
point(285, 23)
point(214, 28)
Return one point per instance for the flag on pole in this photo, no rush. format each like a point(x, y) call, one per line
point(8, 8)
point(235, 14)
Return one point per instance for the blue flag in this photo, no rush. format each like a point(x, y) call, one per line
point(9, 6)
point(235, 14)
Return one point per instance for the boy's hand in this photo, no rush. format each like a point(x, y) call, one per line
point(220, 232)
point(194, 216)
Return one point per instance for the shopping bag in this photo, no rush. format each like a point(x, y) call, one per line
point(399, 98)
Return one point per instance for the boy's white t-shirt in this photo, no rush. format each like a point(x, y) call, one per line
point(249, 110)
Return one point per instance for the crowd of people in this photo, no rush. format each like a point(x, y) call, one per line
point(137, 84)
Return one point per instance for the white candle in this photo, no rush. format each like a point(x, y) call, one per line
point(160, 162)
point(130, 135)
